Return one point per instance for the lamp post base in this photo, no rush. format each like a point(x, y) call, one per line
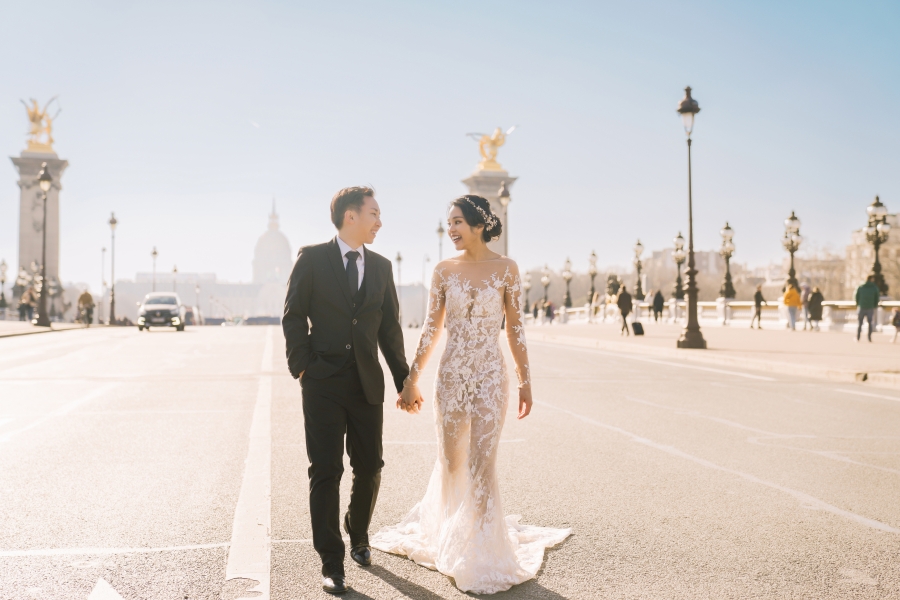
point(692, 339)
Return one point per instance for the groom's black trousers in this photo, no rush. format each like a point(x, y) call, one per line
point(333, 407)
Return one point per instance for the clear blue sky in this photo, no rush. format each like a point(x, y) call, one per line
point(186, 118)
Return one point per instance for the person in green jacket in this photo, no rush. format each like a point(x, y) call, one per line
point(867, 296)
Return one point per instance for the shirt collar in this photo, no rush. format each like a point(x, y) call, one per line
point(345, 248)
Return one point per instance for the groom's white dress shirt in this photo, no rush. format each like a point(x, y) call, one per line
point(360, 262)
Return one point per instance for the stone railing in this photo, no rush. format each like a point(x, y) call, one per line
point(836, 314)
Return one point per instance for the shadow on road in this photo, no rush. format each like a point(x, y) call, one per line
point(407, 588)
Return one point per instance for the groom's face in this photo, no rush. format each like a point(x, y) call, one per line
point(366, 222)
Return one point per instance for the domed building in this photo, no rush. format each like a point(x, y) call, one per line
point(272, 259)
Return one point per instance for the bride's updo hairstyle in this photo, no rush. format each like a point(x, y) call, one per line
point(477, 211)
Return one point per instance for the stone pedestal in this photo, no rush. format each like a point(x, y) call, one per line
point(486, 183)
point(31, 211)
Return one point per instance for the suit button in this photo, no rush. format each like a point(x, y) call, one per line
point(354, 321)
point(348, 346)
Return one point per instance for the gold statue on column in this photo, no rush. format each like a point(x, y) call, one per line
point(41, 126)
point(488, 146)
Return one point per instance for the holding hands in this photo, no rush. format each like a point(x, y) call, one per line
point(410, 399)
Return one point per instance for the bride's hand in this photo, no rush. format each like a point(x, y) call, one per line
point(410, 399)
point(524, 402)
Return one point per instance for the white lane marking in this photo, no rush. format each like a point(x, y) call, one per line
point(266, 365)
point(104, 591)
point(250, 554)
point(62, 410)
point(657, 362)
point(427, 443)
point(869, 395)
point(104, 551)
point(805, 499)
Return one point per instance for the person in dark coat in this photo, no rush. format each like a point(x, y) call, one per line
point(815, 308)
point(347, 293)
point(758, 301)
point(658, 303)
point(624, 304)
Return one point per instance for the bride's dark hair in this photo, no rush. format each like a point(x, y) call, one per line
point(477, 211)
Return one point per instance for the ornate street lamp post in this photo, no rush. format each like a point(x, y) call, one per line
point(877, 234)
point(526, 285)
point(545, 280)
point(399, 260)
point(154, 254)
point(791, 242)
point(678, 255)
point(3, 303)
point(638, 288)
point(102, 284)
point(567, 276)
point(691, 336)
point(592, 271)
point(44, 181)
point(175, 278)
point(440, 232)
point(503, 197)
point(726, 251)
point(112, 269)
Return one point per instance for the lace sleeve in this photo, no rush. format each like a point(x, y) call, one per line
point(431, 329)
point(515, 325)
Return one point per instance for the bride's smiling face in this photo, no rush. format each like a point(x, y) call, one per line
point(461, 233)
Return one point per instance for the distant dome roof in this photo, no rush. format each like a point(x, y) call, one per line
point(272, 259)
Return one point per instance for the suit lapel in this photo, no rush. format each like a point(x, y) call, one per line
point(337, 263)
point(371, 276)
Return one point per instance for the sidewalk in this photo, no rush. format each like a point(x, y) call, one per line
point(834, 356)
point(14, 328)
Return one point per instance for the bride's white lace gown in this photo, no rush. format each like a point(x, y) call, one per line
point(459, 527)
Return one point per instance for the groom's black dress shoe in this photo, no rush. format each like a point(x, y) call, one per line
point(359, 548)
point(334, 584)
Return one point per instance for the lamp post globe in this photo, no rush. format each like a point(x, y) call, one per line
point(3, 285)
point(638, 265)
point(154, 254)
point(791, 242)
point(691, 337)
point(112, 269)
point(45, 181)
point(440, 233)
point(877, 233)
point(526, 285)
point(726, 252)
point(545, 280)
point(567, 277)
point(679, 256)
point(592, 271)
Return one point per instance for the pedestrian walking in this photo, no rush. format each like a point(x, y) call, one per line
point(815, 308)
point(86, 307)
point(535, 309)
point(550, 312)
point(27, 303)
point(624, 304)
point(758, 301)
point(805, 291)
point(658, 303)
point(866, 302)
point(895, 321)
point(793, 304)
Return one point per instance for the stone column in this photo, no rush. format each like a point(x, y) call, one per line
point(31, 210)
point(486, 183)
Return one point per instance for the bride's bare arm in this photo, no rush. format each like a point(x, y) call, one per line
point(515, 336)
point(411, 398)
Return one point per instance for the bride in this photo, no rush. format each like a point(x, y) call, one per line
point(459, 528)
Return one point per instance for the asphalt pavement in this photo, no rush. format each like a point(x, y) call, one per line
point(159, 465)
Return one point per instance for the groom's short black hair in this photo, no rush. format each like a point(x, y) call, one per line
point(348, 198)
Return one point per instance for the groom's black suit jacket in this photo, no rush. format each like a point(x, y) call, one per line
point(319, 294)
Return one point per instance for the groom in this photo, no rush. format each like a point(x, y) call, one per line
point(347, 293)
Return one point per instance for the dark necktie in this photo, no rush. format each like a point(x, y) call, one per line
point(352, 271)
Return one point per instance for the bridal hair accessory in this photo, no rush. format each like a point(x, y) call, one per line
point(489, 219)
